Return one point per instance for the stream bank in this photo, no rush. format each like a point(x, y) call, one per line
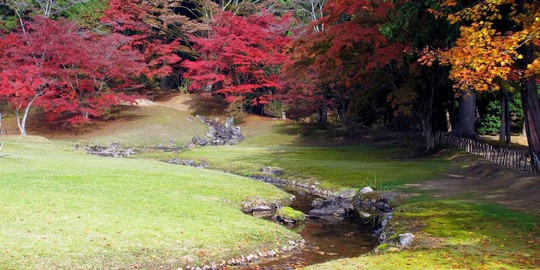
point(325, 239)
point(336, 226)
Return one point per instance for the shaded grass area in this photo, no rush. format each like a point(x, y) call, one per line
point(333, 167)
point(133, 126)
point(277, 143)
point(62, 209)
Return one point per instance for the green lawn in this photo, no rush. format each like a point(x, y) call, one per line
point(63, 209)
point(334, 167)
point(133, 126)
point(275, 143)
point(452, 233)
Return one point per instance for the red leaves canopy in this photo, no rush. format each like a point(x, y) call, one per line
point(240, 57)
point(78, 73)
point(129, 18)
point(22, 86)
point(335, 59)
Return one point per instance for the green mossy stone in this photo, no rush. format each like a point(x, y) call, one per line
point(289, 214)
point(382, 247)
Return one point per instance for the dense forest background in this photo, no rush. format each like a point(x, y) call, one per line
point(466, 67)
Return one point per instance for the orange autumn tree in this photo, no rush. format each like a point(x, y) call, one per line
point(497, 43)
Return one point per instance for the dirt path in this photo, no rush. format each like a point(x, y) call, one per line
point(193, 104)
point(482, 180)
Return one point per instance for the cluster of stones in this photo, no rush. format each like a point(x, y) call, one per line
point(251, 258)
point(191, 163)
point(112, 150)
point(367, 202)
point(173, 148)
point(276, 171)
point(117, 151)
point(219, 134)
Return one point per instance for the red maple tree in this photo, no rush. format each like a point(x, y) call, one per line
point(69, 72)
point(130, 18)
point(20, 88)
point(241, 57)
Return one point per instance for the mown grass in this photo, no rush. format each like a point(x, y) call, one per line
point(68, 210)
point(63, 209)
point(333, 167)
point(273, 143)
point(454, 233)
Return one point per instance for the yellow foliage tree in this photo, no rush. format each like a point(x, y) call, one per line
point(497, 43)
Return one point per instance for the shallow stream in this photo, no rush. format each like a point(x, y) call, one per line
point(325, 240)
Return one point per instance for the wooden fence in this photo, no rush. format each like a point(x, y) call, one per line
point(502, 156)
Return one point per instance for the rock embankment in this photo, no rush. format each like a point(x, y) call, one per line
point(371, 205)
point(112, 150)
point(219, 134)
point(189, 162)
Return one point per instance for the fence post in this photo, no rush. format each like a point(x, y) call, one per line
point(535, 162)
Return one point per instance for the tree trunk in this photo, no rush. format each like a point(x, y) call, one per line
point(448, 120)
point(22, 122)
point(323, 114)
point(531, 111)
point(504, 132)
point(427, 124)
point(466, 117)
point(529, 97)
point(21, 126)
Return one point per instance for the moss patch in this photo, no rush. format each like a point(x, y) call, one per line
point(288, 213)
point(456, 234)
point(382, 247)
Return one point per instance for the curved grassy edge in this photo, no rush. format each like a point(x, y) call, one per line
point(450, 234)
point(62, 209)
point(453, 233)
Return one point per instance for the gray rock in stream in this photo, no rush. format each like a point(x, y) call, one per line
point(317, 203)
point(331, 211)
point(347, 195)
point(262, 208)
point(335, 207)
point(328, 211)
